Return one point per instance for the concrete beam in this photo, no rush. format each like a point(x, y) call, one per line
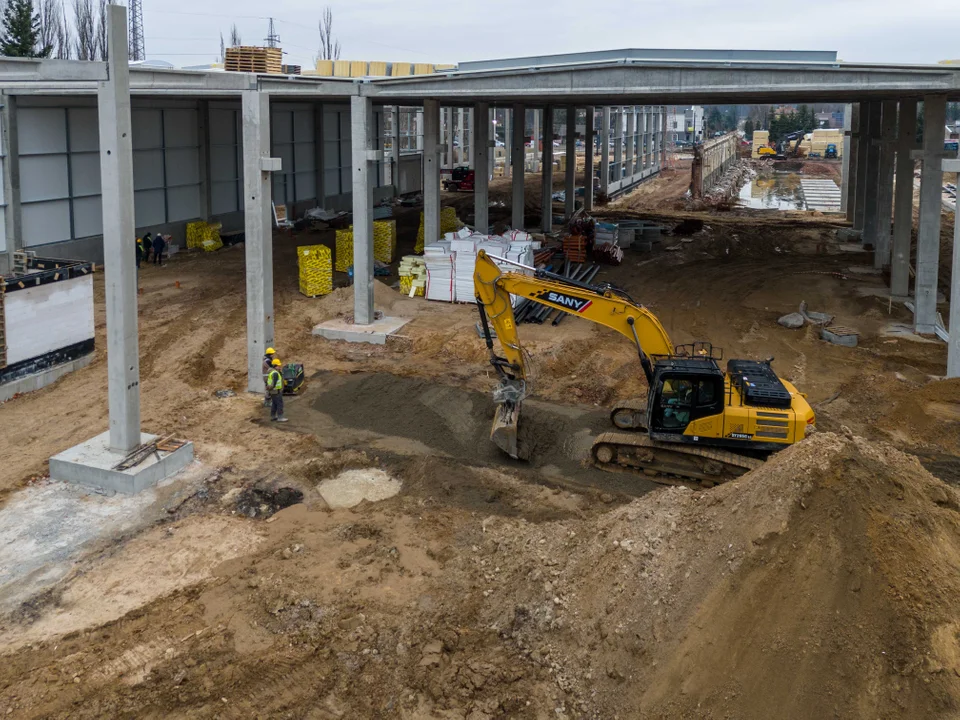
point(116, 181)
point(888, 149)
point(362, 146)
point(676, 83)
point(928, 235)
point(519, 165)
point(431, 170)
point(903, 202)
point(588, 160)
point(481, 195)
point(546, 220)
point(872, 174)
point(605, 151)
point(570, 184)
point(258, 233)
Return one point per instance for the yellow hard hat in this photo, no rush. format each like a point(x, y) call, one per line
point(271, 351)
point(276, 362)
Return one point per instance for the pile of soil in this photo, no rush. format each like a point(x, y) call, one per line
point(823, 584)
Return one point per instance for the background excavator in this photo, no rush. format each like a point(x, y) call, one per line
point(699, 422)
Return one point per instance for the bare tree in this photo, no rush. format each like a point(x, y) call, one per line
point(235, 40)
point(329, 46)
point(101, 38)
point(50, 13)
point(85, 24)
point(223, 50)
point(63, 49)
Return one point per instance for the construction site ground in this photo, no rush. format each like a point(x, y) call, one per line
point(260, 583)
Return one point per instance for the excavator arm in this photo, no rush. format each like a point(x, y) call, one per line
point(603, 305)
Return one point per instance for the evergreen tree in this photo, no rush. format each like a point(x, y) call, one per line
point(748, 129)
point(21, 30)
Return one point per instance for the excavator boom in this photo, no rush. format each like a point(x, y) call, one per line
point(603, 305)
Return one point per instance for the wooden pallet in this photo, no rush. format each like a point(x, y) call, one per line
point(262, 60)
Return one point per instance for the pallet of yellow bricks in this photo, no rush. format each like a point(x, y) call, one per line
point(384, 244)
point(316, 270)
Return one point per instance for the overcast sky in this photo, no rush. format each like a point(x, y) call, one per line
point(187, 32)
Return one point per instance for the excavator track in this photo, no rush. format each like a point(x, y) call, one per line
point(669, 463)
point(630, 414)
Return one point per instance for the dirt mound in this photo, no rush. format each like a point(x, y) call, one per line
point(823, 584)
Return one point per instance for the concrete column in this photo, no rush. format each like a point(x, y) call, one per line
point(631, 129)
point(471, 138)
point(362, 156)
point(481, 197)
point(536, 141)
point(588, 160)
point(860, 153)
point(11, 181)
point(203, 136)
point(491, 141)
point(618, 145)
point(888, 147)
point(953, 346)
point(928, 235)
point(507, 142)
point(872, 178)
point(605, 151)
point(519, 159)
point(570, 186)
point(258, 232)
point(448, 116)
point(431, 171)
point(663, 138)
point(461, 139)
point(116, 180)
point(395, 151)
point(845, 205)
point(903, 203)
point(546, 221)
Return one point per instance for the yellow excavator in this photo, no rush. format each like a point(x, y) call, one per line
point(700, 423)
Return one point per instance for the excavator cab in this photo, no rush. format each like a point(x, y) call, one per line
point(684, 390)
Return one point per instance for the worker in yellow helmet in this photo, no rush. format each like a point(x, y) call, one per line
point(275, 389)
point(268, 357)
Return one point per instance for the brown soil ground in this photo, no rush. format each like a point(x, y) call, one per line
point(824, 584)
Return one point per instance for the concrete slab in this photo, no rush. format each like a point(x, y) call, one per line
point(840, 336)
point(850, 247)
point(905, 332)
point(42, 379)
point(91, 464)
point(375, 333)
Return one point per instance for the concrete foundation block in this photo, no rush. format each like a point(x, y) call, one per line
point(846, 337)
point(375, 333)
point(42, 379)
point(849, 235)
point(91, 464)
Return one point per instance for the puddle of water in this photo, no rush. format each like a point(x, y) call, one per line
point(777, 191)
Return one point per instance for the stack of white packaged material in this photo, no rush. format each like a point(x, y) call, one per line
point(440, 271)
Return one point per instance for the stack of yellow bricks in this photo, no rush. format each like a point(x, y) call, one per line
point(384, 244)
point(448, 223)
point(204, 235)
point(316, 270)
point(761, 138)
point(413, 276)
point(817, 143)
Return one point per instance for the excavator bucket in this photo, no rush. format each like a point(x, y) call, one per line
point(504, 430)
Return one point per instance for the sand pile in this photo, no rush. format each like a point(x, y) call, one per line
point(824, 584)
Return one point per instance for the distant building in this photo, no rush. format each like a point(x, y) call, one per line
point(684, 124)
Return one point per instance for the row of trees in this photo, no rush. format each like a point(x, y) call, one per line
point(44, 29)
